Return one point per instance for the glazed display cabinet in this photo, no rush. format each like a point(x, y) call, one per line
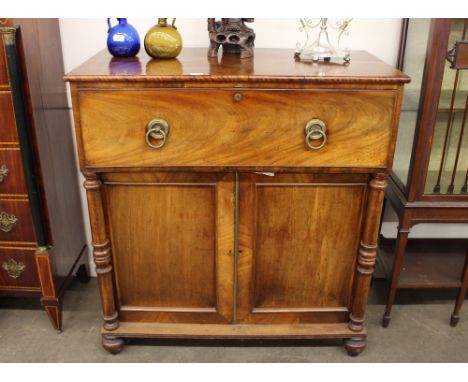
point(428, 183)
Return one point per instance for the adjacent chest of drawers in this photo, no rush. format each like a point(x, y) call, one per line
point(235, 199)
point(42, 240)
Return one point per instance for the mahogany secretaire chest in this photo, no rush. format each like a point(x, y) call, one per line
point(235, 198)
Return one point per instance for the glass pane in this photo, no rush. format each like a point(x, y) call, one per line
point(448, 163)
point(413, 65)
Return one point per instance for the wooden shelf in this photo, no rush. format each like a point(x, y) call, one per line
point(428, 263)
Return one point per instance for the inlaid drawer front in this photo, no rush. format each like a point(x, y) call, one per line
point(8, 132)
point(236, 127)
point(4, 82)
point(11, 172)
point(18, 268)
point(16, 224)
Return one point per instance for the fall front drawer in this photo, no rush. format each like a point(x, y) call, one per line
point(240, 127)
point(18, 268)
point(8, 133)
point(16, 223)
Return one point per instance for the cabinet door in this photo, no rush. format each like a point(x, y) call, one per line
point(172, 238)
point(298, 242)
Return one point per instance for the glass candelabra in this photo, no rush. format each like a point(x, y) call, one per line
point(321, 48)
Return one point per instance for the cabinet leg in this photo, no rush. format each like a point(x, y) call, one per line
point(386, 320)
point(355, 346)
point(460, 296)
point(82, 274)
point(402, 240)
point(112, 344)
point(454, 320)
point(49, 300)
point(53, 308)
point(101, 249)
point(367, 253)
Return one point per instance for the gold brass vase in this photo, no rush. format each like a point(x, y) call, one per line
point(163, 40)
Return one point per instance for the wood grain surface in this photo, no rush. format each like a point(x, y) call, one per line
point(158, 330)
point(277, 65)
point(173, 244)
point(297, 243)
point(211, 128)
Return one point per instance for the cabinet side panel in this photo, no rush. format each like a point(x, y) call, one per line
point(51, 132)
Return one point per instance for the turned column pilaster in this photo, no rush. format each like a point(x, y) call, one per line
point(367, 253)
point(101, 249)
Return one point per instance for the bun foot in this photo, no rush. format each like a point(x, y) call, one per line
point(354, 346)
point(113, 345)
point(385, 321)
point(454, 320)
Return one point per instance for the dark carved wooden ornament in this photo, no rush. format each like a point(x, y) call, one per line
point(233, 35)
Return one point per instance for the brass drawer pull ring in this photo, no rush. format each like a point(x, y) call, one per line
point(158, 130)
point(315, 130)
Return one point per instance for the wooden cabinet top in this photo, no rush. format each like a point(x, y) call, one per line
point(268, 65)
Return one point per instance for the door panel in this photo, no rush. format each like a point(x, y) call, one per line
point(298, 239)
point(173, 245)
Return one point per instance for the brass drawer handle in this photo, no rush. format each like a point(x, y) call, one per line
point(7, 221)
point(315, 130)
point(158, 130)
point(13, 268)
point(3, 172)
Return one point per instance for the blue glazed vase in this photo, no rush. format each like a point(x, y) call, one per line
point(122, 39)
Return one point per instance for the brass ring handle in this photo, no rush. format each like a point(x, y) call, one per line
point(311, 136)
point(315, 130)
point(157, 135)
point(158, 130)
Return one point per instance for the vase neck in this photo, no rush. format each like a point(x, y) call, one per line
point(162, 22)
point(122, 21)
